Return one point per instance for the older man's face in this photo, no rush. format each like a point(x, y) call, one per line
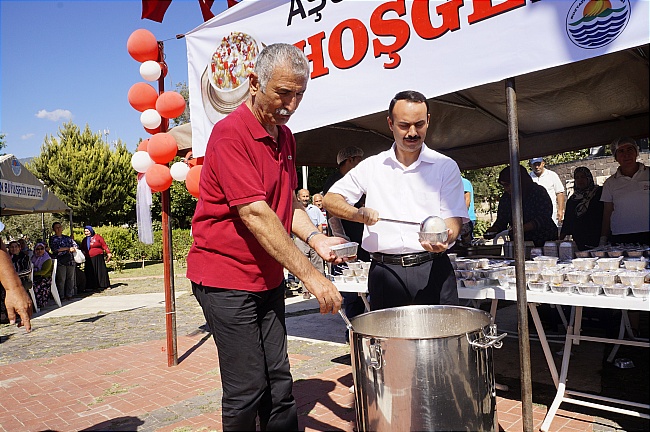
point(303, 197)
point(318, 201)
point(275, 104)
point(538, 168)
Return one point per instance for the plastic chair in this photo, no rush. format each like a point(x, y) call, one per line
point(53, 289)
point(31, 288)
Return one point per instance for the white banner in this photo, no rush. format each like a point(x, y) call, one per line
point(20, 190)
point(362, 52)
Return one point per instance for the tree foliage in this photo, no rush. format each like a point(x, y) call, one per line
point(95, 181)
point(3, 144)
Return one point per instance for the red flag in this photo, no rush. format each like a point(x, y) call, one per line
point(154, 9)
point(231, 3)
point(205, 9)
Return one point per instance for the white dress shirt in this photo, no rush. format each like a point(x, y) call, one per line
point(431, 186)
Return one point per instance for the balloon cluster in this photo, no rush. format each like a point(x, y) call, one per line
point(154, 154)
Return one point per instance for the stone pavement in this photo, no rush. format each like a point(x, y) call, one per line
point(108, 371)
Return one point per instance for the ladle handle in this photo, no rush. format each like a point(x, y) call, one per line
point(399, 221)
point(348, 324)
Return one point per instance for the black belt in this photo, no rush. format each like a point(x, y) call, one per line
point(405, 260)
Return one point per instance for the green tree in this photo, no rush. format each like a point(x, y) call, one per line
point(96, 182)
point(184, 91)
point(3, 144)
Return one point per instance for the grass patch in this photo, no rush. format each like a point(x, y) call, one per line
point(151, 268)
point(114, 390)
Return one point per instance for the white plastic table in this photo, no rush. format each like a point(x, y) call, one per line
point(573, 337)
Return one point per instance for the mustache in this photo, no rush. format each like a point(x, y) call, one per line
point(284, 111)
point(413, 137)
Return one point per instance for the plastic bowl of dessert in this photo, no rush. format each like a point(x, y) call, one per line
point(553, 277)
point(345, 250)
point(618, 290)
point(641, 291)
point(533, 276)
point(578, 277)
point(598, 253)
point(603, 278)
point(615, 253)
point(584, 263)
point(633, 279)
point(474, 283)
point(636, 264)
point(583, 254)
point(534, 266)
point(562, 288)
point(466, 264)
point(470, 274)
point(635, 253)
point(538, 286)
point(589, 289)
point(547, 261)
point(608, 263)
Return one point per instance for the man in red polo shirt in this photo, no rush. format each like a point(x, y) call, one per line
point(241, 227)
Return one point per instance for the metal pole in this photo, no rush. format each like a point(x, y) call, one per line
point(520, 257)
point(168, 262)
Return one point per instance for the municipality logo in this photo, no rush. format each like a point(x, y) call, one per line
point(15, 166)
point(595, 23)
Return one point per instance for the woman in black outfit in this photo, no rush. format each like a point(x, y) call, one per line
point(583, 216)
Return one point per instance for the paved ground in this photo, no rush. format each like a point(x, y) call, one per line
point(85, 367)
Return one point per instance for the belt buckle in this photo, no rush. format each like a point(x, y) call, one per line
point(413, 260)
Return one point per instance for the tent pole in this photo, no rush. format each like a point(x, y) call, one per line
point(518, 227)
point(71, 233)
point(168, 262)
point(305, 175)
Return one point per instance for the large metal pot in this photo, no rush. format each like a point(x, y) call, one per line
point(424, 368)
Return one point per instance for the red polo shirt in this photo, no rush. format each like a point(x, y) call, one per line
point(242, 164)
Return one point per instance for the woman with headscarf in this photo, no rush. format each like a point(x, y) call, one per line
point(43, 266)
point(21, 263)
point(537, 210)
point(583, 217)
point(93, 247)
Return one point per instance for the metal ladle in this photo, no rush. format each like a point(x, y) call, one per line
point(421, 224)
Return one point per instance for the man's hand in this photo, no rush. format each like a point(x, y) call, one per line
point(436, 247)
point(367, 216)
point(19, 303)
point(329, 298)
point(322, 245)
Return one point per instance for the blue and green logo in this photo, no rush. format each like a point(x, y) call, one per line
point(595, 23)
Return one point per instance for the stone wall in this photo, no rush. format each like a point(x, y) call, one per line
point(601, 167)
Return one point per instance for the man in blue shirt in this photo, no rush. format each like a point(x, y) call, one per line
point(467, 231)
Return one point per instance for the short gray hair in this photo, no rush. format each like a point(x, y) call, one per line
point(280, 55)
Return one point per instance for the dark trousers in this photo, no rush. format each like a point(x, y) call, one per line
point(429, 283)
point(251, 337)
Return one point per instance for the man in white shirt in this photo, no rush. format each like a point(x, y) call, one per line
point(408, 182)
point(553, 185)
point(318, 219)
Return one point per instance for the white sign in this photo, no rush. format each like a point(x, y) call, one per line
point(20, 190)
point(362, 52)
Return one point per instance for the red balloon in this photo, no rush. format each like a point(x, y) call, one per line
point(142, 45)
point(153, 131)
point(162, 147)
point(143, 145)
point(158, 177)
point(170, 104)
point(192, 180)
point(142, 96)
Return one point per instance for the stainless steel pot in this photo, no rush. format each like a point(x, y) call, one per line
point(424, 368)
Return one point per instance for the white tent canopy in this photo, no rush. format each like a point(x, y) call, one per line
point(22, 193)
point(572, 93)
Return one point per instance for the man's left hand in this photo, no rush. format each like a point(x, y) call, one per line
point(322, 245)
point(436, 247)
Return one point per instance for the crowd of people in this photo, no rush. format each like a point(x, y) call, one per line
point(54, 259)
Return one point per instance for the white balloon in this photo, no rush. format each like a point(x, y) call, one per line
point(150, 70)
point(150, 118)
point(179, 171)
point(141, 161)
